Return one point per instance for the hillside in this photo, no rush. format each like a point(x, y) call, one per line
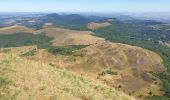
point(139, 33)
point(58, 36)
point(93, 26)
point(126, 68)
point(16, 29)
point(129, 69)
point(25, 79)
point(64, 37)
point(71, 19)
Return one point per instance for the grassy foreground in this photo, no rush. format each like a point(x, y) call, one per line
point(24, 79)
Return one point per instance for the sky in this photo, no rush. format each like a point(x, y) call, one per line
point(85, 6)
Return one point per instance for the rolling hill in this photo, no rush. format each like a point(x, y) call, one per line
point(16, 29)
point(66, 49)
point(64, 37)
point(93, 26)
point(66, 19)
point(121, 66)
point(24, 79)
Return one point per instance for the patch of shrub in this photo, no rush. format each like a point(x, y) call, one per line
point(66, 50)
point(29, 53)
point(51, 64)
point(111, 72)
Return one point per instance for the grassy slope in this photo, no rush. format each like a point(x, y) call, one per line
point(29, 39)
point(24, 79)
point(93, 25)
point(98, 58)
point(16, 29)
point(133, 35)
point(115, 34)
point(64, 37)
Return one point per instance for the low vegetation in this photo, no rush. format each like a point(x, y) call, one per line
point(16, 29)
point(143, 38)
point(64, 37)
point(3, 82)
point(33, 79)
point(66, 50)
point(132, 34)
point(93, 61)
point(94, 26)
point(29, 53)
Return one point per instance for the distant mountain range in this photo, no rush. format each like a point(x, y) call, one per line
point(157, 16)
point(71, 18)
point(162, 17)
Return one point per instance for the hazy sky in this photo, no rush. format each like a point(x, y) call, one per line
point(85, 5)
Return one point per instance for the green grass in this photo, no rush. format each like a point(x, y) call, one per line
point(3, 82)
point(13, 97)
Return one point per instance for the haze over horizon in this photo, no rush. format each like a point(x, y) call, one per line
point(85, 6)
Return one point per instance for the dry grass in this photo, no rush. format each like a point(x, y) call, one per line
point(94, 26)
point(61, 36)
point(132, 65)
point(37, 80)
point(16, 29)
point(70, 37)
